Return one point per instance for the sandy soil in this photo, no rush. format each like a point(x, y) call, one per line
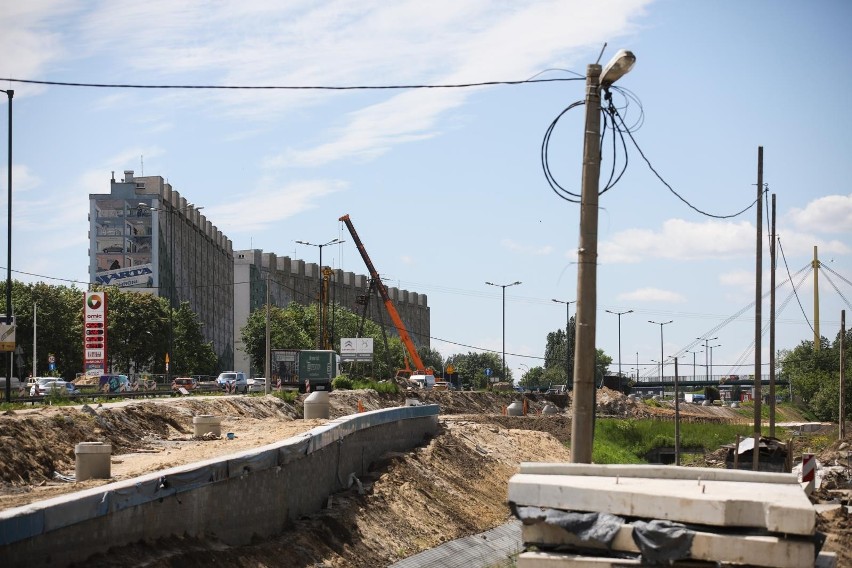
point(454, 486)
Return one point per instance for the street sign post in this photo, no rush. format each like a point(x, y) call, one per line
point(7, 335)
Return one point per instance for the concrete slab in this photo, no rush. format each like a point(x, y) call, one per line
point(656, 472)
point(560, 560)
point(826, 560)
point(770, 551)
point(779, 508)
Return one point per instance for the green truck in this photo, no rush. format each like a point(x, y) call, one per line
point(304, 369)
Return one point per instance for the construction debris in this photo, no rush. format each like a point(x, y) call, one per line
point(578, 514)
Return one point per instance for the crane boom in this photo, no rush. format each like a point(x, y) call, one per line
point(394, 315)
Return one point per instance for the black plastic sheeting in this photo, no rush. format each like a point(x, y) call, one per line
point(589, 527)
point(660, 542)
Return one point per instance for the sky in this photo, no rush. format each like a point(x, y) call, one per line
point(445, 186)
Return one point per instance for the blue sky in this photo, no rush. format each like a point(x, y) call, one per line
point(445, 186)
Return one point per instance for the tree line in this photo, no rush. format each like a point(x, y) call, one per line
point(138, 331)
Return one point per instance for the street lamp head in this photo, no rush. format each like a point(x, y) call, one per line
point(618, 66)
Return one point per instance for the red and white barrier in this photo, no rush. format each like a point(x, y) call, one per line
point(808, 472)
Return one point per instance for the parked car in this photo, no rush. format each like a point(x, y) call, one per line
point(187, 383)
point(113, 249)
point(257, 384)
point(44, 385)
point(233, 381)
point(72, 388)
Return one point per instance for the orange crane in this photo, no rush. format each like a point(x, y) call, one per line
point(419, 367)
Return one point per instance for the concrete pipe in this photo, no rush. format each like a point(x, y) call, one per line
point(206, 424)
point(317, 405)
point(515, 409)
point(92, 460)
point(550, 408)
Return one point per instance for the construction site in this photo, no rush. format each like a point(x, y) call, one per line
point(454, 482)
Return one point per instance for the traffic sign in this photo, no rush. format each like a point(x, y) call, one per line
point(488, 372)
point(451, 369)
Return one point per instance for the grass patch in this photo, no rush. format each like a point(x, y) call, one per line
point(626, 441)
point(288, 396)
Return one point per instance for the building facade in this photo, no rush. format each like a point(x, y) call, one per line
point(296, 281)
point(144, 237)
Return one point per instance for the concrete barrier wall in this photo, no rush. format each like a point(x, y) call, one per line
point(233, 498)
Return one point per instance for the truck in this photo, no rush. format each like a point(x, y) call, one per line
point(317, 368)
point(304, 369)
point(420, 377)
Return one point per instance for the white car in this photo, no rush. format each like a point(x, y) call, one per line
point(257, 384)
point(233, 381)
point(43, 385)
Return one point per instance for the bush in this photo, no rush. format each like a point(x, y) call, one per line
point(341, 382)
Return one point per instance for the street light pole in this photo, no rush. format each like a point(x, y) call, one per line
point(661, 324)
point(693, 364)
point(706, 341)
point(583, 417)
point(10, 93)
point(711, 357)
point(504, 286)
point(321, 326)
point(568, 378)
point(619, 314)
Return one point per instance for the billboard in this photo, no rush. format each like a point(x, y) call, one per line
point(356, 349)
point(94, 331)
point(139, 276)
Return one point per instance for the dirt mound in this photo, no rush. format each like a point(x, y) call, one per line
point(454, 486)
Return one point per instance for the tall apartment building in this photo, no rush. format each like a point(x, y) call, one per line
point(145, 237)
point(297, 281)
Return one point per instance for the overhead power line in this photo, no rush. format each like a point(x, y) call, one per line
point(292, 87)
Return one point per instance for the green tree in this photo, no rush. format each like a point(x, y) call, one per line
point(815, 375)
point(533, 378)
point(471, 368)
point(60, 325)
point(555, 369)
point(137, 331)
point(192, 355)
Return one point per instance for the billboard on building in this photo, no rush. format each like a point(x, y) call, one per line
point(140, 276)
point(94, 332)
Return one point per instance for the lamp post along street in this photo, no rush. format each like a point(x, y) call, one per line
point(504, 286)
point(706, 341)
point(568, 378)
point(9, 93)
point(320, 318)
point(582, 423)
point(619, 314)
point(661, 324)
point(693, 364)
point(711, 357)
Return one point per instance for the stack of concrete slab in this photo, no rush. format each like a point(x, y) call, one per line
point(626, 515)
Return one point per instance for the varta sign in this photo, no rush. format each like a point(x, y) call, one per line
point(138, 277)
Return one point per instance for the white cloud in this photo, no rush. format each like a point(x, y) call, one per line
point(270, 203)
point(652, 295)
point(335, 42)
point(829, 214)
point(526, 249)
point(23, 180)
point(407, 259)
point(685, 240)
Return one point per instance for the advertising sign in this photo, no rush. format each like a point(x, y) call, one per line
point(139, 276)
point(356, 349)
point(94, 330)
point(7, 334)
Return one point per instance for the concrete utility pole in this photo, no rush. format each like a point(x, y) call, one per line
point(587, 256)
point(772, 261)
point(582, 423)
point(758, 294)
point(662, 359)
point(842, 414)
